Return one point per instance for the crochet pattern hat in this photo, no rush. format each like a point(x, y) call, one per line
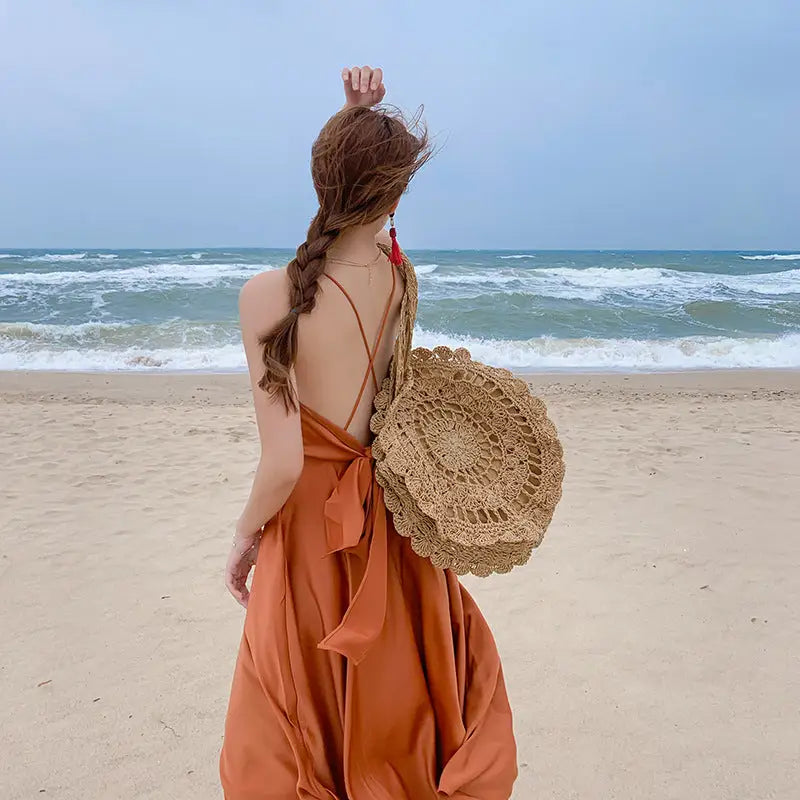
point(470, 464)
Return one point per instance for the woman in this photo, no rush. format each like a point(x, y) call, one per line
point(363, 672)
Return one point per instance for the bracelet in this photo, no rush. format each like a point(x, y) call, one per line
point(243, 552)
point(260, 534)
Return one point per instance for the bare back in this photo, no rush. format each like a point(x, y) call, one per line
point(332, 358)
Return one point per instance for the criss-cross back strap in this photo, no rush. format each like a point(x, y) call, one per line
point(371, 353)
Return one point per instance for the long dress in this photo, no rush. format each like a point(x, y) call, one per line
point(363, 672)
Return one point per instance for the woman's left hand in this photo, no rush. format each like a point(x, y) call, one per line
point(241, 560)
point(363, 86)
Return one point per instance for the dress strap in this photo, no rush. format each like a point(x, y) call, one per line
point(371, 353)
point(360, 326)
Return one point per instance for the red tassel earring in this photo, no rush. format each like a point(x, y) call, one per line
point(395, 257)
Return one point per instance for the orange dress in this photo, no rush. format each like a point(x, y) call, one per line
point(364, 672)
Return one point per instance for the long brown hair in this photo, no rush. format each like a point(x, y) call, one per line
point(361, 163)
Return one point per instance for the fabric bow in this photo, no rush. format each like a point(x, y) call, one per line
point(353, 511)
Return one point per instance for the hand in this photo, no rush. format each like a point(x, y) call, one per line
point(240, 561)
point(363, 86)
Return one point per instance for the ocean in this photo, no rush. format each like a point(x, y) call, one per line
point(175, 310)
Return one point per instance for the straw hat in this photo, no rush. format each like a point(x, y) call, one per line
point(470, 464)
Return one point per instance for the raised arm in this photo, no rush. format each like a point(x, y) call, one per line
point(363, 86)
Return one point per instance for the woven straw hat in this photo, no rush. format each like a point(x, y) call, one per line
point(470, 464)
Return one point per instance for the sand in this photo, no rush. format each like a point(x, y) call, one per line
point(651, 648)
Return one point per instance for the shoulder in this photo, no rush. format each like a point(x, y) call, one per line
point(264, 299)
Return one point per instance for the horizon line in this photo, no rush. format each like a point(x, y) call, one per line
point(777, 250)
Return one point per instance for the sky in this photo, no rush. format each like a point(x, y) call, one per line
point(623, 124)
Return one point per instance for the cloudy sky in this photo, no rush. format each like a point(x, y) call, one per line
point(562, 124)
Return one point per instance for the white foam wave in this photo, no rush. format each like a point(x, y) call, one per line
point(174, 345)
point(589, 284)
point(106, 256)
point(608, 277)
point(222, 358)
point(50, 257)
point(492, 277)
point(659, 282)
point(8, 255)
point(23, 330)
point(197, 255)
point(786, 282)
point(535, 354)
point(774, 257)
point(692, 352)
point(140, 278)
point(519, 255)
point(593, 283)
point(518, 281)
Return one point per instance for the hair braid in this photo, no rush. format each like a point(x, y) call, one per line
point(303, 271)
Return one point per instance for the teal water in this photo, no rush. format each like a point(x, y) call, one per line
point(176, 309)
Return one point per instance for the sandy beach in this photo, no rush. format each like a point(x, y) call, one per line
point(651, 647)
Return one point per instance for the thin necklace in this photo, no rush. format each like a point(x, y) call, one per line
point(369, 265)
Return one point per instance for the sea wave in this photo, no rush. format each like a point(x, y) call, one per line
point(774, 257)
point(214, 359)
point(41, 331)
point(597, 283)
point(493, 277)
point(8, 255)
point(510, 282)
point(661, 282)
point(660, 279)
point(141, 278)
point(108, 346)
point(175, 344)
point(608, 277)
point(111, 335)
point(786, 282)
point(691, 352)
point(589, 284)
point(50, 257)
point(517, 255)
